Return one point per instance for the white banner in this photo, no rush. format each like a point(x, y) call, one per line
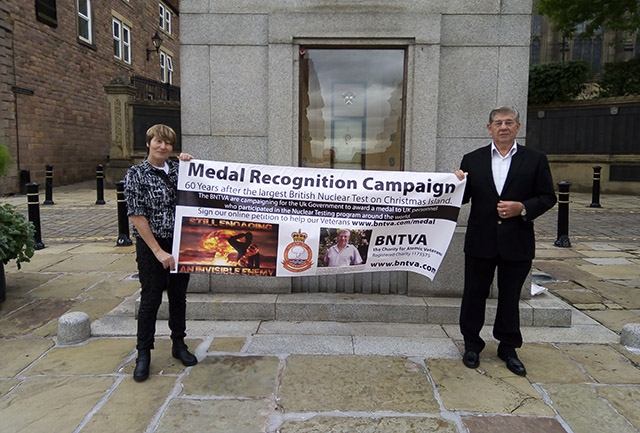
point(248, 219)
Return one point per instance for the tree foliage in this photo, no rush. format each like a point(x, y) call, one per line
point(620, 78)
point(557, 82)
point(622, 15)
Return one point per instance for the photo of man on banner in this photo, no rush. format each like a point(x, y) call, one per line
point(343, 247)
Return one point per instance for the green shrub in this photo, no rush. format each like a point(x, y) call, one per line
point(17, 240)
point(5, 159)
point(557, 82)
point(620, 78)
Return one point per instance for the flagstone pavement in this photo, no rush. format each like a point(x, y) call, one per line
point(271, 376)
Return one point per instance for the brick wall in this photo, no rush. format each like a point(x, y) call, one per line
point(65, 121)
point(7, 126)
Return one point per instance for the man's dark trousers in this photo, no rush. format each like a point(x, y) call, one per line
point(479, 274)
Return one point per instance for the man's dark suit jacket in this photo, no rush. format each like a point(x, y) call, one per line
point(529, 181)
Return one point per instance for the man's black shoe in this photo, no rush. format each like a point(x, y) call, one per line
point(514, 365)
point(141, 372)
point(471, 359)
point(179, 351)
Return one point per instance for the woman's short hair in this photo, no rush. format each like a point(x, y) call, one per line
point(162, 132)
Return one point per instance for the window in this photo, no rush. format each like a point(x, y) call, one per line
point(165, 18)
point(588, 49)
point(121, 41)
point(85, 30)
point(352, 108)
point(166, 67)
point(535, 52)
point(46, 12)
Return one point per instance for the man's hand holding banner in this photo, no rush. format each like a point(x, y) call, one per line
point(248, 219)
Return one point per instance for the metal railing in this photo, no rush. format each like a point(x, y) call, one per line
point(147, 89)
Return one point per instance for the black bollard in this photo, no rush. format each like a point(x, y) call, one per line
point(123, 219)
point(100, 184)
point(48, 184)
point(33, 203)
point(563, 215)
point(595, 194)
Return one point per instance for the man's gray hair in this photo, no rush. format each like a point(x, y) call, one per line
point(505, 109)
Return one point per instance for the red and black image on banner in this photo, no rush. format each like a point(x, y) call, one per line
point(222, 246)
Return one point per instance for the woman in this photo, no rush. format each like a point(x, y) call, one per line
point(150, 193)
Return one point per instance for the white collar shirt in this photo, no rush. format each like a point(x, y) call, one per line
point(500, 165)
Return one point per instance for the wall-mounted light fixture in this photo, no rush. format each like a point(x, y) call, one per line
point(157, 42)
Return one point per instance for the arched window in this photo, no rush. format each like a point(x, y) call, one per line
point(588, 48)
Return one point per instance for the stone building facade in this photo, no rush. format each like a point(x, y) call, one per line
point(55, 58)
point(605, 46)
point(248, 91)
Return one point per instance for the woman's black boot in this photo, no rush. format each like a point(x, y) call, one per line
point(141, 372)
point(179, 351)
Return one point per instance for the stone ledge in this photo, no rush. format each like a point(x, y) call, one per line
point(542, 310)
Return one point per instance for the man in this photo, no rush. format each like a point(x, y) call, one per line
point(343, 253)
point(509, 185)
point(248, 252)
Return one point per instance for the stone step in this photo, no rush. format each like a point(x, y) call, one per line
point(541, 310)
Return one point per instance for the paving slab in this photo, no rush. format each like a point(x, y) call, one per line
point(96, 356)
point(225, 344)
point(607, 261)
point(484, 424)
point(603, 363)
point(233, 376)
point(547, 363)
point(589, 255)
point(627, 296)
point(18, 354)
point(625, 399)
point(615, 319)
point(113, 286)
point(613, 272)
point(580, 407)
point(94, 307)
point(7, 385)
point(83, 261)
point(41, 262)
point(52, 404)
point(495, 389)
point(220, 416)
point(380, 424)
point(356, 383)
point(556, 253)
point(562, 270)
point(67, 286)
point(634, 283)
point(602, 246)
point(20, 284)
point(579, 295)
point(33, 315)
point(116, 414)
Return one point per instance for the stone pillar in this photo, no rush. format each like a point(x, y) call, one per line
point(120, 95)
